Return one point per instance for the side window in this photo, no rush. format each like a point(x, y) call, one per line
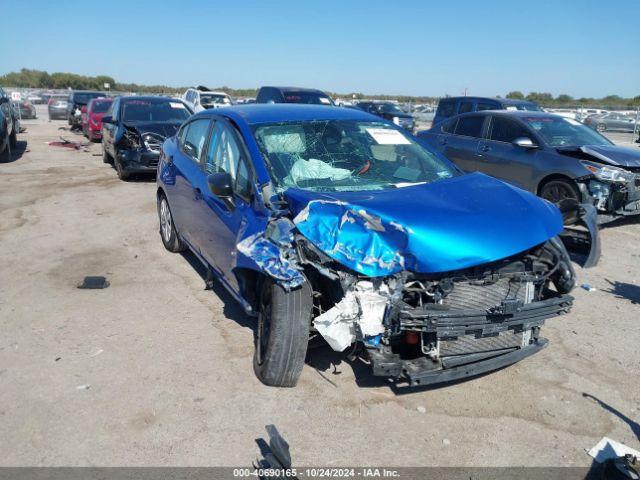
point(450, 126)
point(446, 108)
point(487, 106)
point(116, 109)
point(225, 155)
point(195, 138)
point(109, 112)
point(506, 130)
point(465, 107)
point(470, 126)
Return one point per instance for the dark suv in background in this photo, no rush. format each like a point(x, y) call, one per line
point(293, 95)
point(389, 111)
point(77, 100)
point(8, 127)
point(448, 107)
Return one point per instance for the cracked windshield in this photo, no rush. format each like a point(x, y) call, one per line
point(346, 156)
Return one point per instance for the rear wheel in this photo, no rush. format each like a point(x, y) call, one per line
point(5, 156)
point(168, 231)
point(558, 190)
point(283, 334)
point(13, 138)
point(601, 127)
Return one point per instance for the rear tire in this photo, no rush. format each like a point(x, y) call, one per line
point(601, 127)
point(106, 158)
point(168, 232)
point(283, 334)
point(557, 190)
point(5, 156)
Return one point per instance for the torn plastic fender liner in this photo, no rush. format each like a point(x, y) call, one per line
point(349, 234)
point(270, 255)
point(574, 213)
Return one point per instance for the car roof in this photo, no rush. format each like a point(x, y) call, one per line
point(510, 113)
point(296, 89)
point(505, 101)
point(256, 113)
point(149, 97)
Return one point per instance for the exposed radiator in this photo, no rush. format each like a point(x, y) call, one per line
point(468, 296)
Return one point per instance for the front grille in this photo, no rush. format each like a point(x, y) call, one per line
point(472, 296)
point(153, 162)
point(466, 344)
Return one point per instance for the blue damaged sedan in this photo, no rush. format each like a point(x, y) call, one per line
point(335, 223)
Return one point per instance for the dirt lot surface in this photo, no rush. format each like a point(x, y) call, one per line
point(166, 366)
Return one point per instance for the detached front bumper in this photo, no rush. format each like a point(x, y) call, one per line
point(614, 199)
point(470, 342)
point(138, 161)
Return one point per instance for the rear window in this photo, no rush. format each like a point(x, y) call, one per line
point(307, 97)
point(84, 97)
point(465, 107)
point(470, 126)
point(487, 106)
point(446, 108)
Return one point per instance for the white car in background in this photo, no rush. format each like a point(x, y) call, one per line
point(202, 98)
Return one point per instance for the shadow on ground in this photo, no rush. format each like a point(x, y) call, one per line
point(17, 151)
point(624, 290)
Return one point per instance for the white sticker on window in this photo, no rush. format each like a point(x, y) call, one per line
point(387, 136)
point(511, 107)
point(324, 100)
point(176, 105)
point(572, 121)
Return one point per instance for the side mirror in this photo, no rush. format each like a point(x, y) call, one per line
point(524, 142)
point(221, 185)
point(107, 119)
point(83, 109)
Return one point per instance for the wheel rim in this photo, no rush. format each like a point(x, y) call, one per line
point(600, 128)
point(556, 192)
point(165, 220)
point(264, 326)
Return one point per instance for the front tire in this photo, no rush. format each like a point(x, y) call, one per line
point(5, 156)
point(106, 158)
point(601, 127)
point(558, 190)
point(283, 334)
point(168, 232)
point(13, 138)
point(122, 172)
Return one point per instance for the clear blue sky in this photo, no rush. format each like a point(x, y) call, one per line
point(578, 47)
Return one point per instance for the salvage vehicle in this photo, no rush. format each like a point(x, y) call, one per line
point(133, 129)
point(78, 99)
point(201, 98)
point(25, 108)
point(389, 111)
point(92, 117)
point(556, 158)
point(333, 222)
point(293, 95)
point(57, 106)
point(451, 106)
point(611, 121)
point(9, 127)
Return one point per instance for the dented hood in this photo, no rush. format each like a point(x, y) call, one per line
point(444, 226)
point(614, 155)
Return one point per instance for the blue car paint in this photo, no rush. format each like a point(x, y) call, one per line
point(443, 226)
point(447, 225)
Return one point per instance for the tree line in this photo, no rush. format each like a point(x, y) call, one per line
point(27, 78)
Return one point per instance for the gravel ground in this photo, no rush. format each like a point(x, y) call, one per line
point(166, 366)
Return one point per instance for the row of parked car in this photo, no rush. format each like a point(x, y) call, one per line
point(432, 256)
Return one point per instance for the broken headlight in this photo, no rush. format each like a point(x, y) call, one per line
point(607, 173)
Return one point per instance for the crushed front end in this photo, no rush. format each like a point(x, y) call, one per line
point(426, 329)
point(139, 151)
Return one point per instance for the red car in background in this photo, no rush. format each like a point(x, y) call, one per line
point(92, 117)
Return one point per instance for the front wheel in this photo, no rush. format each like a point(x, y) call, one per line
point(283, 334)
point(558, 190)
point(601, 127)
point(5, 156)
point(13, 139)
point(122, 172)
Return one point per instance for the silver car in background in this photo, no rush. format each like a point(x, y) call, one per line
point(611, 121)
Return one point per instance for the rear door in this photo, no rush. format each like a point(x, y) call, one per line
point(189, 178)
point(461, 145)
point(498, 157)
